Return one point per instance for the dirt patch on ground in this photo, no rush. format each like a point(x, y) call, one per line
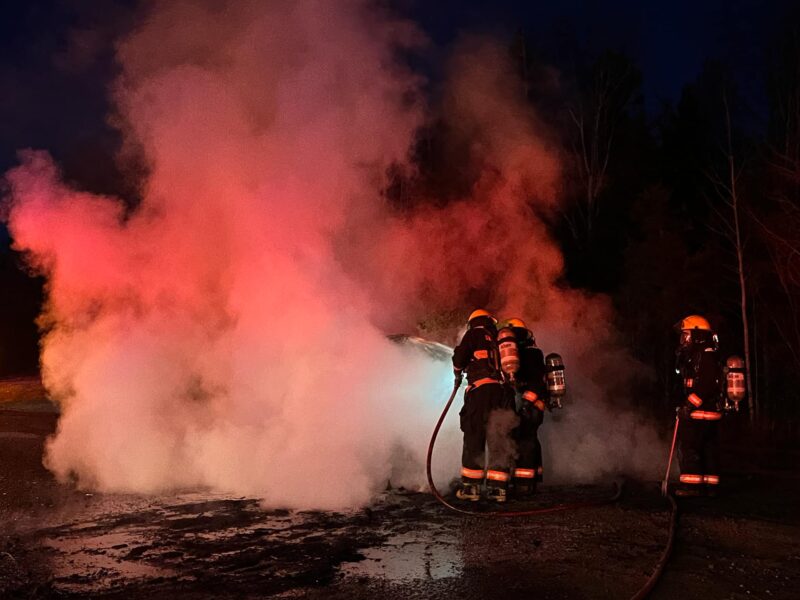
point(22, 390)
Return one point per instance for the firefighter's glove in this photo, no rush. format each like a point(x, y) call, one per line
point(525, 410)
point(529, 411)
point(458, 377)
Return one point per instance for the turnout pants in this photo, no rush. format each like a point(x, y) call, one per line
point(487, 420)
point(698, 452)
point(528, 468)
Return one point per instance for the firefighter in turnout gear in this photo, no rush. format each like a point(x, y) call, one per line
point(485, 411)
point(699, 410)
point(530, 403)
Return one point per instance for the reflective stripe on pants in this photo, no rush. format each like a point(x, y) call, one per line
point(496, 475)
point(706, 415)
point(472, 473)
point(691, 478)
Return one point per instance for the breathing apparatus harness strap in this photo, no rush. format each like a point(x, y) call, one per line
point(694, 355)
point(495, 365)
point(480, 382)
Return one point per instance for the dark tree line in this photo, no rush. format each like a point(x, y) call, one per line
point(695, 209)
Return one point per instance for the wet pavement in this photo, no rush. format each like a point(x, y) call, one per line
point(58, 542)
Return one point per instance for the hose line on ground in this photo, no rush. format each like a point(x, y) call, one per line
point(663, 559)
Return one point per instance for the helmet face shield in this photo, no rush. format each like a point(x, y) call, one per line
point(699, 337)
point(695, 330)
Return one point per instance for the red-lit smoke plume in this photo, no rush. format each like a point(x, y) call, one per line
point(227, 331)
point(497, 238)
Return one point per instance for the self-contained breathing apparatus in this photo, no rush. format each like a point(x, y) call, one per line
point(510, 362)
point(694, 344)
point(556, 381)
point(696, 363)
point(509, 353)
point(735, 383)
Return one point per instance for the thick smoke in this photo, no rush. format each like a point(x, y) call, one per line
point(227, 331)
point(499, 235)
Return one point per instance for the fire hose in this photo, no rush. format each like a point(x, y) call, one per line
point(673, 524)
point(645, 590)
point(660, 565)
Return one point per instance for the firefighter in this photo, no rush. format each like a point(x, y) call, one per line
point(531, 404)
point(485, 414)
point(699, 410)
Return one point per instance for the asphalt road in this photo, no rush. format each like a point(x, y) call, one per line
point(59, 542)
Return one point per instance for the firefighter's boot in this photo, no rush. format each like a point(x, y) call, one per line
point(496, 494)
point(689, 492)
point(469, 492)
point(524, 490)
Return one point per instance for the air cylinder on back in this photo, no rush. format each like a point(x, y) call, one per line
point(735, 386)
point(509, 352)
point(556, 382)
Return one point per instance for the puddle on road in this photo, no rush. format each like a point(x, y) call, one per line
point(110, 550)
point(111, 541)
point(90, 563)
point(425, 555)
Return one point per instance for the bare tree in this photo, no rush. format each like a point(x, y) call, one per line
point(727, 187)
point(783, 247)
point(594, 118)
point(782, 231)
point(779, 220)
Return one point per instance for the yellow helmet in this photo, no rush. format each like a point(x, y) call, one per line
point(480, 313)
point(518, 324)
point(694, 322)
point(515, 322)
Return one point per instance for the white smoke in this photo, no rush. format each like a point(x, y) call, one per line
point(218, 335)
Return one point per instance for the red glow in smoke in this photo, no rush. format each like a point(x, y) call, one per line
point(223, 334)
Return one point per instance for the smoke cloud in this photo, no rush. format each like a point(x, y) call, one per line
point(229, 331)
point(499, 234)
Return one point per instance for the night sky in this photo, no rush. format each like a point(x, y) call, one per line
point(669, 40)
point(56, 58)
